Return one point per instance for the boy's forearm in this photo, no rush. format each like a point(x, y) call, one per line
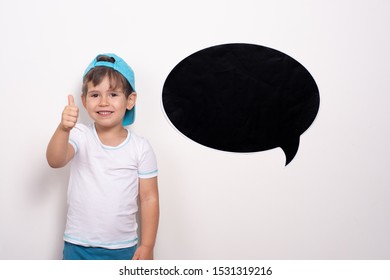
point(57, 150)
point(149, 221)
point(58, 153)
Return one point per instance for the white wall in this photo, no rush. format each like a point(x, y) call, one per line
point(332, 201)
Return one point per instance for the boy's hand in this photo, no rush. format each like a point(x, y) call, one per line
point(143, 253)
point(69, 115)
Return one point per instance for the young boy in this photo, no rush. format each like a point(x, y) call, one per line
point(111, 168)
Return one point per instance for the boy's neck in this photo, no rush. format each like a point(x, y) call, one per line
point(111, 136)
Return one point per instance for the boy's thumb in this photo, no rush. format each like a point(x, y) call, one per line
point(71, 100)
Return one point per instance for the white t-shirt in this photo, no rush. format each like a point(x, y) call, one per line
point(103, 188)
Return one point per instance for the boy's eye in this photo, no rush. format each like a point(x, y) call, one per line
point(113, 94)
point(94, 95)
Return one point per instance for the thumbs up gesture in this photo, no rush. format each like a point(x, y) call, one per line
point(69, 115)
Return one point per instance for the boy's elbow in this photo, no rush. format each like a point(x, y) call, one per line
point(54, 164)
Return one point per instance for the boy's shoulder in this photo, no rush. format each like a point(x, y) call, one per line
point(81, 130)
point(82, 127)
point(137, 138)
point(140, 141)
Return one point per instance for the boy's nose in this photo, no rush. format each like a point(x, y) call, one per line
point(103, 101)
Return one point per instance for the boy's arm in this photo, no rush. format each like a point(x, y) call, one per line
point(149, 204)
point(59, 152)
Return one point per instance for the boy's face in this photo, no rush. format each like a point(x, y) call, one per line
point(107, 106)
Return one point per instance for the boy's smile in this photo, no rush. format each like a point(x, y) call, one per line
point(105, 105)
point(105, 113)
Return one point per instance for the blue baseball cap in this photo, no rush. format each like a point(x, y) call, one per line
point(122, 67)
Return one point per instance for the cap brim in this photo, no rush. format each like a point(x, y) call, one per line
point(129, 117)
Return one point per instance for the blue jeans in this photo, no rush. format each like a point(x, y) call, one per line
point(77, 252)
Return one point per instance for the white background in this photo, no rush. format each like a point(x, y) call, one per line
point(331, 202)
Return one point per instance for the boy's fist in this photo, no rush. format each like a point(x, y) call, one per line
point(69, 115)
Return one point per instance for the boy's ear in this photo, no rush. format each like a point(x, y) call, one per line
point(83, 100)
point(131, 101)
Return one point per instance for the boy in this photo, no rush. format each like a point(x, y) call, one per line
point(111, 167)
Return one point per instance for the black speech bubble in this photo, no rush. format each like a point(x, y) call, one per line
point(241, 98)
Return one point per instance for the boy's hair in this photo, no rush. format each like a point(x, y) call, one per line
point(97, 74)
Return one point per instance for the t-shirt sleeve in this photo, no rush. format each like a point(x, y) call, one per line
point(147, 167)
point(75, 137)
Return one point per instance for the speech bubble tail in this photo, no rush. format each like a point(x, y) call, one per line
point(290, 149)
